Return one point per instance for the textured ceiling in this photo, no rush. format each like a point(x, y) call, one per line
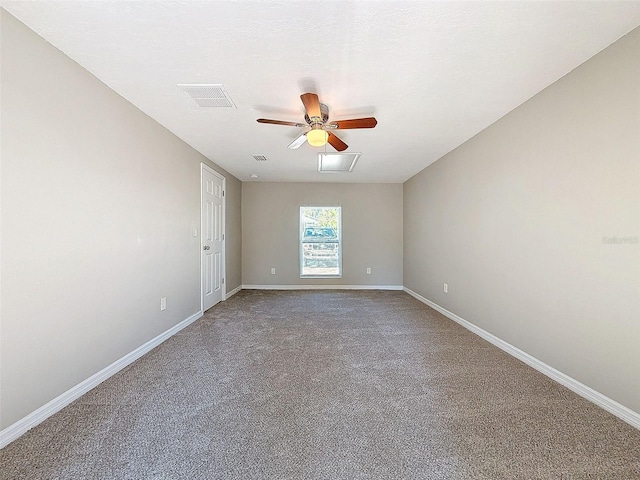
point(433, 73)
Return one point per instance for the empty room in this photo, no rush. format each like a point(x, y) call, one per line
point(287, 239)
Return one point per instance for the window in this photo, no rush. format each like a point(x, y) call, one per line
point(320, 241)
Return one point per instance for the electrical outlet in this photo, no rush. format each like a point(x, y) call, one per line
point(273, 270)
point(163, 303)
point(446, 288)
point(368, 270)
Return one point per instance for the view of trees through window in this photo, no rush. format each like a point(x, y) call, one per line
point(320, 241)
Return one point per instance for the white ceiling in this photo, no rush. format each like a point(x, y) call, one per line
point(433, 73)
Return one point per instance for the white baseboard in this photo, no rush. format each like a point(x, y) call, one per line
point(322, 287)
point(233, 292)
point(14, 431)
point(611, 406)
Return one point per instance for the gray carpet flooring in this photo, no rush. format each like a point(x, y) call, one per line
point(326, 385)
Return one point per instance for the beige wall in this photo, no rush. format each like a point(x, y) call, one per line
point(98, 204)
point(371, 232)
point(233, 234)
point(516, 221)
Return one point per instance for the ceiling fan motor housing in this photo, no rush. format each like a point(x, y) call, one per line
point(324, 110)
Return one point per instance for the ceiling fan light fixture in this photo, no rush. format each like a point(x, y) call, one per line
point(317, 137)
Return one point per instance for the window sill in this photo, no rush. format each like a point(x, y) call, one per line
point(320, 276)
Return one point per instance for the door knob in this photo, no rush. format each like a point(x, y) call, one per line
point(206, 247)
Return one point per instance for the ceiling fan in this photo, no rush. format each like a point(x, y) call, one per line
point(319, 131)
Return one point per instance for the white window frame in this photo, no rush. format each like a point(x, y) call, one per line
point(300, 244)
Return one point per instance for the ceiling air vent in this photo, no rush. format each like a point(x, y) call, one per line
point(260, 158)
point(208, 95)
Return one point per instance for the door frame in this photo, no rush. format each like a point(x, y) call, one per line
point(223, 267)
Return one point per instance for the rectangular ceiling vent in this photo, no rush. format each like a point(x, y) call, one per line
point(208, 95)
point(337, 162)
point(260, 158)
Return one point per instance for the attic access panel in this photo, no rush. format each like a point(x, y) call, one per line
point(339, 162)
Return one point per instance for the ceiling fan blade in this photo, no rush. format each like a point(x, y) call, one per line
point(280, 122)
point(311, 104)
point(297, 143)
point(368, 122)
point(336, 143)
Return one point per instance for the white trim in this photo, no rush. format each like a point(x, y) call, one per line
point(233, 292)
point(14, 431)
point(315, 275)
point(223, 272)
point(301, 245)
point(611, 406)
point(322, 287)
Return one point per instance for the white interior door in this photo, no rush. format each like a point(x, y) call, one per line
point(212, 229)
